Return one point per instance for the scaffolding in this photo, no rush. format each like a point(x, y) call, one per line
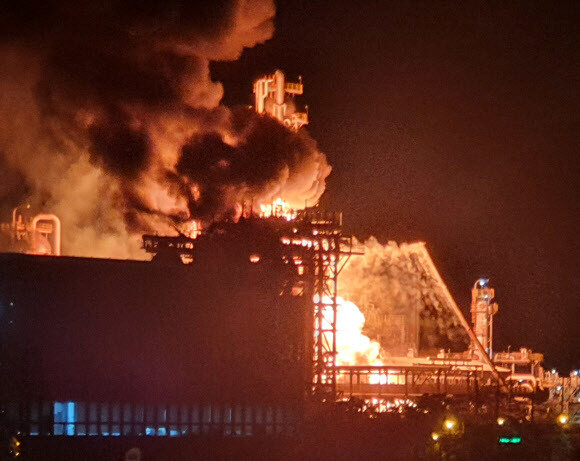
point(320, 251)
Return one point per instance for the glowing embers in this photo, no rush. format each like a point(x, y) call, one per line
point(277, 209)
point(353, 347)
point(397, 405)
point(384, 405)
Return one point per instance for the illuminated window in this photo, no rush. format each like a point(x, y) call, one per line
point(64, 418)
point(92, 419)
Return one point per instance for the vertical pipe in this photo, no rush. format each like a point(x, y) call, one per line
point(491, 334)
point(336, 252)
point(279, 80)
point(350, 377)
point(562, 397)
point(468, 379)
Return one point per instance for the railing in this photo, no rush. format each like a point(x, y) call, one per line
point(294, 88)
point(376, 381)
point(180, 244)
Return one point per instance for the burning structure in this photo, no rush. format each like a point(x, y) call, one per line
point(263, 264)
point(239, 319)
point(124, 133)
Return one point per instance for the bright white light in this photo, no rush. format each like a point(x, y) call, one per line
point(563, 419)
point(449, 424)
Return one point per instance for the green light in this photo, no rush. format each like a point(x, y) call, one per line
point(510, 439)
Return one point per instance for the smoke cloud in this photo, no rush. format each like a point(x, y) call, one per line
point(110, 119)
point(401, 306)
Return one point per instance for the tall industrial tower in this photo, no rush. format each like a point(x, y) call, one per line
point(273, 96)
point(482, 311)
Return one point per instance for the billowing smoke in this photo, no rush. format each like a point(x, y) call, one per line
point(401, 305)
point(110, 119)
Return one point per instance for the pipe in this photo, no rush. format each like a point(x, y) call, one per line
point(56, 230)
point(279, 79)
point(14, 220)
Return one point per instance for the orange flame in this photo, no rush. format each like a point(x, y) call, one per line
point(353, 347)
point(279, 208)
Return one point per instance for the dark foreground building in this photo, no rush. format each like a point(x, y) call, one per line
point(94, 349)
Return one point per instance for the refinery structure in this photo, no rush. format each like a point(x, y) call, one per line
point(241, 328)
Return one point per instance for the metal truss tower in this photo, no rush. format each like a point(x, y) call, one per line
point(327, 253)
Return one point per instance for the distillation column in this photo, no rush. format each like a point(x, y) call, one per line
point(273, 96)
point(482, 311)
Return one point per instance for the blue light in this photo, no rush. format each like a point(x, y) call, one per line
point(71, 418)
point(64, 414)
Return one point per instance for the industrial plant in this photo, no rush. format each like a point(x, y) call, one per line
point(257, 328)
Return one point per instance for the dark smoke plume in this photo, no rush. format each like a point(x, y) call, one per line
point(110, 118)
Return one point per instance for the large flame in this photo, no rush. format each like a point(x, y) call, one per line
point(279, 208)
point(353, 347)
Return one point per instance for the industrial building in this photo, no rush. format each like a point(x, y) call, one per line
point(125, 348)
point(234, 343)
point(230, 334)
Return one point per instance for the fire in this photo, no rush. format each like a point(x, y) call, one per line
point(191, 229)
point(353, 347)
point(279, 208)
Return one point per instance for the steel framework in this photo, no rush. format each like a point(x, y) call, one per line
point(387, 381)
point(323, 251)
point(315, 245)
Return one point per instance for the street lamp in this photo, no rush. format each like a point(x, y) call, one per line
point(563, 419)
point(450, 424)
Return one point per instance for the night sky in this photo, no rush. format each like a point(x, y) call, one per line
point(454, 123)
